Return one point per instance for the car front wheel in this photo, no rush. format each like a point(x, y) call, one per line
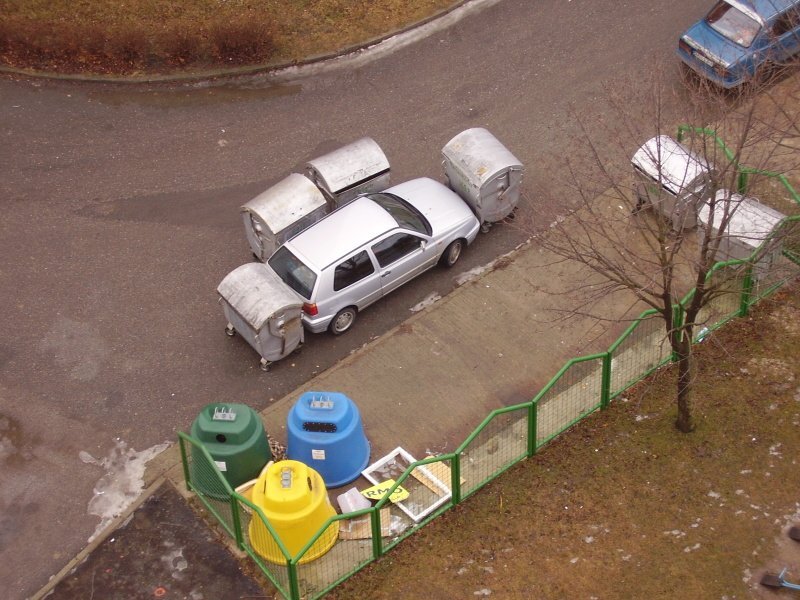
point(452, 253)
point(343, 321)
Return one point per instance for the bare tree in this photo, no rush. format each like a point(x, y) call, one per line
point(652, 228)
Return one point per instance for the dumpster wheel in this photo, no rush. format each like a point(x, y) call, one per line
point(265, 364)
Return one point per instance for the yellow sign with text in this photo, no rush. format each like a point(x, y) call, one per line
point(376, 492)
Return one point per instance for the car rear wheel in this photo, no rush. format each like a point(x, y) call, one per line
point(452, 253)
point(343, 321)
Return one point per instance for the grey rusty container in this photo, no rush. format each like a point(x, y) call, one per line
point(749, 228)
point(351, 170)
point(673, 179)
point(484, 173)
point(263, 310)
point(280, 212)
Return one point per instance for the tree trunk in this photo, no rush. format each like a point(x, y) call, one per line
point(685, 360)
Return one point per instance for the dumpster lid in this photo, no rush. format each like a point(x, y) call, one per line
point(678, 166)
point(479, 154)
point(256, 292)
point(286, 202)
point(752, 221)
point(349, 165)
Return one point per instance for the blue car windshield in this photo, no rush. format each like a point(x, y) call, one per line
point(730, 22)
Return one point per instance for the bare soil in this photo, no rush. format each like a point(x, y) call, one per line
point(625, 506)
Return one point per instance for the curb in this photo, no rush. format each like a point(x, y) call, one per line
point(235, 71)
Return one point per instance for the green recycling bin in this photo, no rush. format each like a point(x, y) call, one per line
point(235, 438)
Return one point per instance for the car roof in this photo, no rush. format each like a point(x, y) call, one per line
point(766, 9)
point(347, 228)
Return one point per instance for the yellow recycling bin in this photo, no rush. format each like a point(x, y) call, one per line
point(293, 498)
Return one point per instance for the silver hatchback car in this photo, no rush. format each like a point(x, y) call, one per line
point(365, 249)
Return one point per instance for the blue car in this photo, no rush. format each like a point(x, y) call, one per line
point(739, 39)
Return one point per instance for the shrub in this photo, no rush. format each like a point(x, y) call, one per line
point(129, 46)
point(180, 45)
point(242, 40)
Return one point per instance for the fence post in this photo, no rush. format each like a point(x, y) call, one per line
point(294, 584)
point(184, 461)
point(455, 478)
point(741, 182)
point(605, 382)
point(377, 541)
point(237, 522)
point(533, 427)
point(747, 290)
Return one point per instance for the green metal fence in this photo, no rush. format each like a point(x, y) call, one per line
point(504, 438)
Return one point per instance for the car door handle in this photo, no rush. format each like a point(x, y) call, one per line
point(386, 273)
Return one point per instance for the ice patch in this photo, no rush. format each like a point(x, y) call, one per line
point(426, 302)
point(473, 274)
point(122, 483)
point(175, 561)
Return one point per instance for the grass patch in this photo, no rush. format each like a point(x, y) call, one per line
point(625, 506)
point(156, 36)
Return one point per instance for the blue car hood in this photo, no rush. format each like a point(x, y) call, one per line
point(717, 45)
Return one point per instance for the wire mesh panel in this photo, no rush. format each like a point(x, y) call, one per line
point(396, 525)
point(205, 480)
point(639, 350)
point(344, 558)
point(726, 301)
point(500, 441)
point(782, 269)
point(575, 393)
point(255, 539)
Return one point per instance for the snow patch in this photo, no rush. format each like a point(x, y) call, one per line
point(122, 483)
point(426, 302)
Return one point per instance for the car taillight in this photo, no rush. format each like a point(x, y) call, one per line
point(310, 309)
point(684, 46)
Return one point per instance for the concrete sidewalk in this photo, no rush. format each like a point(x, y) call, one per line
point(425, 386)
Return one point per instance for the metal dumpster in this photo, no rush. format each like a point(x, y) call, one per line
point(351, 170)
point(280, 212)
point(263, 310)
point(749, 228)
point(484, 173)
point(671, 178)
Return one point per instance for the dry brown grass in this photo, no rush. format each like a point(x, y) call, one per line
point(624, 506)
point(156, 36)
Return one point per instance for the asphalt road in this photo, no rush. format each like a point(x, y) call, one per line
point(120, 217)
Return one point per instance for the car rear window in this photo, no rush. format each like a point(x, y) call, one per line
point(406, 215)
point(293, 272)
point(730, 22)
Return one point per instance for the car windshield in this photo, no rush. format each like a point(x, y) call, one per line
point(293, 272)
point(406, 215)
point(730, 22)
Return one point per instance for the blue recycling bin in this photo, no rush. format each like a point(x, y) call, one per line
point(325, 432)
